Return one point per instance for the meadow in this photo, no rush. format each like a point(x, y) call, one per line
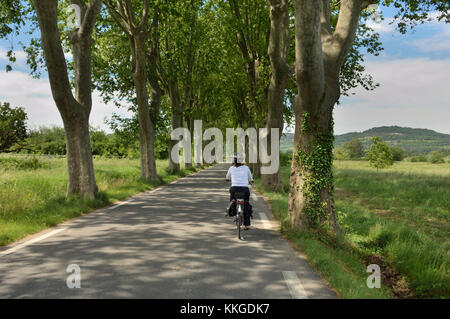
point(398, 218)
point(33, 189)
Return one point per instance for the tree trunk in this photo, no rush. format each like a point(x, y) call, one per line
point(319, 53)
point(190, 126)
point(124, 15)
point(311, 200)
point(146, 125)
point(79, 156)
point(74, 110)
point(177, 120)
point(311, 183)
point(278, 52)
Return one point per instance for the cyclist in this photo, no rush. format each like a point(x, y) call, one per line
point(240, 176)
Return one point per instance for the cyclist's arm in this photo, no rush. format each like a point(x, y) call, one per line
point(250, 176)
point(228, 177)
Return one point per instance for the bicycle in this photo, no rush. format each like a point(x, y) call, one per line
point(240, 206)
point(239, 197)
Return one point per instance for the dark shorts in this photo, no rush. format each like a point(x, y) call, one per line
point(239, 189)
point(246, 191)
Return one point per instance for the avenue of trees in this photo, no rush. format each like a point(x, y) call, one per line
point(229, 63)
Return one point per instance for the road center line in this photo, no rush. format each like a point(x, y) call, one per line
point(294, 284)
point(31, 241)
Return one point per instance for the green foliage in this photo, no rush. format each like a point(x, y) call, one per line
point(398, 154)
point(419, 158)
point(18, 163)
point(316, 162)
point(436, 157)
point(354, 149)
point(413, 12)
point(379, 154)
point(340, 153)
point(12, 126)
point(46, 140)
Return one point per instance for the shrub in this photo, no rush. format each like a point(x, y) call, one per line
point(379, 154)
point(436, 157)
point(398, 154)
point(354, 148)
point(340, 153)
point(419, 158)
point(22, 163)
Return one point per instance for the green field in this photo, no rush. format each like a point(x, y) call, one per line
point(32, 192)
point(397, 217)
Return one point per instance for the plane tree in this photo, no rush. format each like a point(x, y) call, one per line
point(325, 33)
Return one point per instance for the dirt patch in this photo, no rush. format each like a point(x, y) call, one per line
point(381, 212)
point(390, 278)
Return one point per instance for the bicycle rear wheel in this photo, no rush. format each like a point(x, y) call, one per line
point(238, 225)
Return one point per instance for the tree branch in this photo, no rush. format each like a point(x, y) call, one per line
point(118, 18)
point(53, 52)
point(90, 16)
point(345, 32)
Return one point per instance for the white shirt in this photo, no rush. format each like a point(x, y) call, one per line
point(239, 175)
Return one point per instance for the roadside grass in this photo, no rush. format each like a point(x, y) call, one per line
point(398, 217)
point(32, 197)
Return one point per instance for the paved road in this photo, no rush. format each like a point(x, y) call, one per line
point(172, 242)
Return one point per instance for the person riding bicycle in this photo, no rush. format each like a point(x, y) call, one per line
point(240, 176)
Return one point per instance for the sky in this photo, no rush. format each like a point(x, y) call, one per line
point(413, 72)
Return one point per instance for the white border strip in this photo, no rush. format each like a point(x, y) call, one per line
point(294, 284)
point(31, 241)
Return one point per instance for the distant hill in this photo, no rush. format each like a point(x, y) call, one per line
point(413, 140)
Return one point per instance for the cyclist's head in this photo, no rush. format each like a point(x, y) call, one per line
point(237, 159)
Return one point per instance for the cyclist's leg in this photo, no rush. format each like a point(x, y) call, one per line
point(232, 191)
point(246, 212)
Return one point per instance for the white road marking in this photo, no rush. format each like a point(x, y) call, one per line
point(265, 220)
point(294, 284)
point(31, 241)
point(115, 206)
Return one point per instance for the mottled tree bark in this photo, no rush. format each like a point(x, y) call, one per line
point(146, 125)
point(278, 53)
point(177, 119)
point(74, 111)
point(124, 15)
point(320, 54)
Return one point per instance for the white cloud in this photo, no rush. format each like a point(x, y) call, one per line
point(21, 59)
point(383, 26)
point(34, 95)
point(413, 92)
point(438, 42)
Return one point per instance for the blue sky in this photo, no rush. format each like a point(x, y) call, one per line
point(413, 71)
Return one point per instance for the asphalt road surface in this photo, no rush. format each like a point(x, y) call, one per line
point(172, 242)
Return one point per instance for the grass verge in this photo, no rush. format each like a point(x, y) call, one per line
point(397, 218)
